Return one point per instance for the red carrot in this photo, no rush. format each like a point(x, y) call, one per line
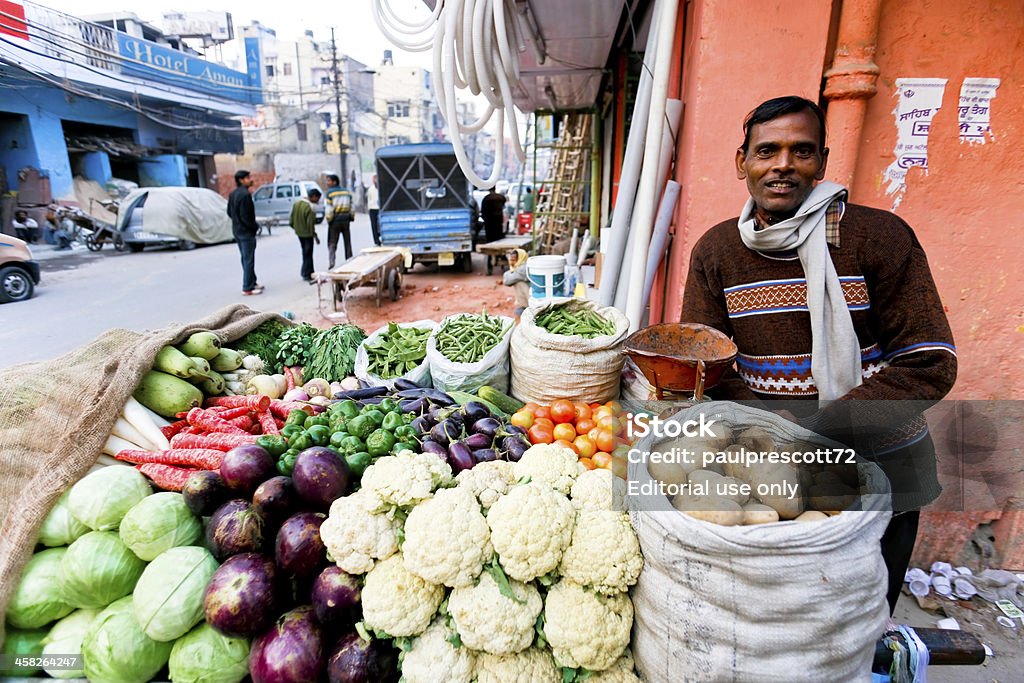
point(204, 458)
point(289, 378)
point(282, 408)
point(215, 440)
point(243, 422)
point(252, 402)
point(167, 477)
point(231, 413)
point(174, 428)
point(211, 422)
point(268, 422)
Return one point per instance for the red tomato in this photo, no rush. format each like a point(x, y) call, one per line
point(603, 460)
point(542, 411)
point(544, 422)
point(605, 440)
point(540, 434)
point(588, 463)
point(583, 411)
point(564, 431)
point(531, 406)
point(585, 425)
point(563, 411)
point(586, 446)
point(567, 444)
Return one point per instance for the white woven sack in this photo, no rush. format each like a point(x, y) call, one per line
point(419, 375)
point(491, 370)
point(546, 366)
point(786, 602)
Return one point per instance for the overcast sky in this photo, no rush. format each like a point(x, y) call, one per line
point(356, 31)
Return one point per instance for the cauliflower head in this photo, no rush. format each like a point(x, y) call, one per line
point(529, 666)
point(554, 465)
point(488, 481)
point(406, 479)
point(604, 553)
point(619, 672)
point(396, 601)
point(491, 622)
point(433, 658)
point(585, 629)
point(599, 489)
point(355, 534)
point(447, 539)
point(531, 526)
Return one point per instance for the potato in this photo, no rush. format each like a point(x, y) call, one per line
point(704, 479)
point(668, 473)
point(721, 511)
point(730, 488)
point(781, 478)
point(811, 516)
point(757, 513)
point(833, 496)
point(756, 439)
point(738, 470)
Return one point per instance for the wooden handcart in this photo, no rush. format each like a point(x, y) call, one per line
point(497, 251)
point(373, 267)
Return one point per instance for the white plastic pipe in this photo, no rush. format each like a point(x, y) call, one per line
point(647, 193)
point(656, 254)
point(585, 245)
point(632, 163)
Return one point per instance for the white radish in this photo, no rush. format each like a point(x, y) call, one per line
point(157, 419)
point(124, 430)
point(137, 415)
point(116, 444)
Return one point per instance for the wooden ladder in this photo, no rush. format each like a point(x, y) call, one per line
point(560, 201)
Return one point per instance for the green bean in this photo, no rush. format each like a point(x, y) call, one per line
point(573, 318)
point(468, 338)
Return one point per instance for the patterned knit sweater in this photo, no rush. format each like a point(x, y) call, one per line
point(760, 301)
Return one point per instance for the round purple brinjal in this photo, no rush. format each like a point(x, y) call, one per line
point(276, 499)
point(431, 446)
point(336, 595)
point(421, 424)
point(234, 528)
point(515, 429)
point(204, 492)
point(298, 549)
point(290, 651)
point(435, 414)
point(246, 467)
point(487, 425)
point(477, 441)
point(460, 457)
point(515, 446)
point(355, 660)
point(321, 476)
point(473, 411)
point(485, 455)
point(241, 598)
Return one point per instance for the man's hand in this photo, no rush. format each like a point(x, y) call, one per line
point(316, 238)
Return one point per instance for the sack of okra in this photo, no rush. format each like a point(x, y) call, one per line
point(569, 349)
point(468, 351)
point(397, 350)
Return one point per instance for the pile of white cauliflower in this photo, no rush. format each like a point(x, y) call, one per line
point(509, 572)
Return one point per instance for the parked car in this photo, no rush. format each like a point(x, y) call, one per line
point(274, 200)
point(19, 273)
point(173, 216)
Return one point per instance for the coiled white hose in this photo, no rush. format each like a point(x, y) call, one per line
point(475, 44)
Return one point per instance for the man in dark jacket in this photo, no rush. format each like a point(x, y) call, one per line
point(243, 224)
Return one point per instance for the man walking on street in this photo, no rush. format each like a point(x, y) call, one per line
point(243, 224)
point(832, 305)
point(339, 218)
point(373, 207)
point(303, 222)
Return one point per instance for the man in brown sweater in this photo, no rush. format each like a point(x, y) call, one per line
point(831, 305)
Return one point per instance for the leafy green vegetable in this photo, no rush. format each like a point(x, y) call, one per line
point(101, 499)
point(169, 596)
point(397, 351)
point(60, 527)
point(37, 600)
point(23, 644)
point(66, 637)
point(264, 341)
point(204, 656)
point(115, 650)
point(97, 569)
point(296, 345)
point(334, 352)
point(504, 587)
point(158, 523)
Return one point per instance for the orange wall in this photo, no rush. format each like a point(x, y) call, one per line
point(968, 211)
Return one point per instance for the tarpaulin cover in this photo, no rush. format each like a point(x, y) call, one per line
point(191, 213)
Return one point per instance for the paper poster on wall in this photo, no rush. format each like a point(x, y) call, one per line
point(976, 95)
point(919, 101)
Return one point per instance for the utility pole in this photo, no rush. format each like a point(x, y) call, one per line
point(337, 106)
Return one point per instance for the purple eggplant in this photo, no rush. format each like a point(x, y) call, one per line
point(360, 394)
point(460, 457)
point(298, 549)
point(290, 651)
point(403, 384)
point(421, 424)
point(242, 596)
point(473, 411)
point(234, 528)
point(487, 425)
point(320, 476)
point(354, 660)
point(514, 429)
point(413, 405)
point(485, 455)
point(246, 467)
point(204, 492)
point(431, 446)
point(478, 441)
point(515, 446)
point(446, 431)
point(276, 499)
point(336, 596)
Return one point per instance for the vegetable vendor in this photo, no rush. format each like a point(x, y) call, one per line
point(303, 222)
point(517, 277)
point(830, 304)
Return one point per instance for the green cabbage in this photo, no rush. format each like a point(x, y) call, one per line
point(60, 527)
point(157, 523)
point(98, 569)
point(65, 638)
point(115, 650)
point(204, 656)
point(20, 643)
point(101, 499)
point(169, 596)
point(37, 600)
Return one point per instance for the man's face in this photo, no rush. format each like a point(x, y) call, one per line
point(782, 164)
point(247, 181)
point(331, 182)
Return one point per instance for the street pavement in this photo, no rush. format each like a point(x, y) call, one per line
point(84, 293)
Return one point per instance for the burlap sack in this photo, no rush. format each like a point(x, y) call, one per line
point(56, 415)
point(547, 367)
point(780, 602)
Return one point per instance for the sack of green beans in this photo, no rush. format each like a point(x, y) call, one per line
point(397, 350)
point(570, 349)
point(470, 350)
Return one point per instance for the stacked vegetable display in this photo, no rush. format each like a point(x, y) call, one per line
point(595, 432)
point(509, 571)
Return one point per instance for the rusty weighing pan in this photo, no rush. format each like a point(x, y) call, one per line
point(681, 357)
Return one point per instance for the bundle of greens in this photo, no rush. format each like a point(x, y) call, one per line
point(296, 345)
point(333, 354)
point(265, 342)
